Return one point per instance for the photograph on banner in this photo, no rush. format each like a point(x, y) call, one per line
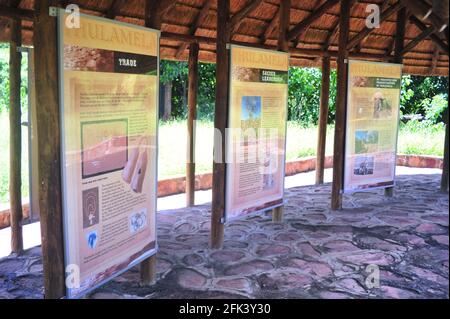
point(256, 134)
point(373, 103)
point(109, 113)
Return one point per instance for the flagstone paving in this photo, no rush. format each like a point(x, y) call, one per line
point(313, 253)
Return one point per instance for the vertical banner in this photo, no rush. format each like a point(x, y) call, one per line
point(256, 134)
point(109, 114)
point(373, 103)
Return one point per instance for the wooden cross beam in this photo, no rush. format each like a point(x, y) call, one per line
point(193, 28)
point(434, 37)
point(303, 33)
point(17, 13)
point(366, 31)
point(154, 11)
point(302, 25)
point(236, 20)
point(335, 27)
point(4, 23)
point(413, 43)
point(272, 25)
point(424, 11)
point(331, 35)
point(360, 45)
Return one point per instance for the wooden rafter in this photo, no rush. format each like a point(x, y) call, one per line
point(270, 27)
point(331, 35)
point(193, 28)
point(366, 31)
point(302, 25)
point(360, 45)
point(155, 10)
point(4, 23)
point(335, 27)
point(434, 37)
point(403, 15)
point(17, 13)
point(425, 34)
point(423, 11)
point(303, 33)
point(238, 17)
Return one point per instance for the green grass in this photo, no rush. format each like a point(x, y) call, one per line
point(414, 138)
point(420, 139)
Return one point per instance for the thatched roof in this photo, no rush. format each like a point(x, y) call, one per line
point(259, 27)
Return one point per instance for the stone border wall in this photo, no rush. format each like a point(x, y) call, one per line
point(176, 185)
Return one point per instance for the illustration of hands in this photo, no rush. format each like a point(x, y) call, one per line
point(135, 168)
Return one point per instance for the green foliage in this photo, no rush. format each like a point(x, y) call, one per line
point(177, 74)
point(4, 80)
point(172, 70)
point(435, 107)
point(304, 95)
point(426, 96)
point(207, 91)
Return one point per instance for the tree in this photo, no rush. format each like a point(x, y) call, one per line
point(170, 72)
point(4, 80)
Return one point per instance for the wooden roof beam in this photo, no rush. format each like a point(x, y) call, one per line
point(360, 45)
point(193, 28)
point(366, 31)
point(303, 33)
point(331, 35)
point(425, 12)
point(154, 10)
point(283, 28)
point(335, 27)
point(302, 25)
point(4, 23)
point(17, 13)
point(269, 29)
point(413, 43)
point(236, 20)
point(434, 37)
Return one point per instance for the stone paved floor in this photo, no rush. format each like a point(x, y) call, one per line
point(314, 253)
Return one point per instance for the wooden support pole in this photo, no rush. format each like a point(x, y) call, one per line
point(48, 127)
point(284, 21)
point(192, 110)
point(434, 37)
point(341, 101)
point(323, 119)
point(148, 271)
point(220, 124)
point(445, 168)
point(15, 137)
point(413, 43)
point(283, 45)
point(277, 214)
point(399, 43)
